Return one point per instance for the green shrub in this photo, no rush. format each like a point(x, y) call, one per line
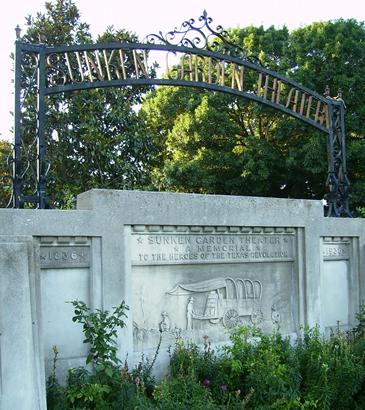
point(109, 385)
point(265, 365)
point(100, 331)
point(331, 373)
point(255, 371)
point(183, 392)
point(56, 397)
point(357, 338)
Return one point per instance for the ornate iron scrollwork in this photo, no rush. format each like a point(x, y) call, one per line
point(202, 36)
point(337, 180)
point(29, 162)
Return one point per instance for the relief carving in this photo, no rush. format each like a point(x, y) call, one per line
point(190, 309)
point(164, 325)
point(275, 315)
point(227, 301)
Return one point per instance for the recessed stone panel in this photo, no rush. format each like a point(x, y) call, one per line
point(198, 285)
point(335, 286)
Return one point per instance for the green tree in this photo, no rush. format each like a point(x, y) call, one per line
point(215, 143)
point(94, 137)
point(333, 53)
point(5, 174)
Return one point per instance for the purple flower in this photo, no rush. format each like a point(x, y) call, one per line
point(137, 381)
point(206, 382)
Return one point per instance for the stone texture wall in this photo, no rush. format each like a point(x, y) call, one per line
point(193, 265)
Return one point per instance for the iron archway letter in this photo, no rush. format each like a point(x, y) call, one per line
point(203, 57)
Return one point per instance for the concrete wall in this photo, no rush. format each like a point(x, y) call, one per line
point(186, 264)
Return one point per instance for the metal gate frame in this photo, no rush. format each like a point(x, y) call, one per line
point(52, 70)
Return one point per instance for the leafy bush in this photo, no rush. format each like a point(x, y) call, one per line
point(183, 392)
point(267, 372)
point(255, 371)
point(331, 373)
point(100, 330)
point(110, 385)
point(265, 365)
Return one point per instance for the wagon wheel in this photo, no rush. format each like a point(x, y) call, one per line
point(231, 318)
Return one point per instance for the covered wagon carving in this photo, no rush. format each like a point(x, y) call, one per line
point(226, 300)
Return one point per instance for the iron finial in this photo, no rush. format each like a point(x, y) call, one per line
point(42, 37)
point(340, 97)
point(18, 31)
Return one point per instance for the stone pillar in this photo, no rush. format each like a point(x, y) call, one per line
point(22, 384)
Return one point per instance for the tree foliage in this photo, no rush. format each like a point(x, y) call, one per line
point(214, 143)
point(94, 137)
point(5, 173)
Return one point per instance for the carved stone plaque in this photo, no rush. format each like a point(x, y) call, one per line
point(335, 250)
point(198, 282)
point(167, 248)
point(65, 256)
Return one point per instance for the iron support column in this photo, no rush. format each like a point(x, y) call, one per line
point(337, 180)
point(17, 164)
point(41, 143)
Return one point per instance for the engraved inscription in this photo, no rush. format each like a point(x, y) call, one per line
point(65, 256)
point(335, 250)
point(225, 248)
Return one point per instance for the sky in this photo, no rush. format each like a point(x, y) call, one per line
point(151, 16)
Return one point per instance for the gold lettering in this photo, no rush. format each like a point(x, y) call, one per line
point(80, 66)
point(140, 66)
point(320, 112)
point(309, 106)
point(264, 88)
point(259, 85)
point(173, 69)
point(196, 67)
point(294, 101)
point(276, 89)
point(326, 114)
point(186, 67)
point(191, 72)
point(69, 67)
point(200, 68)
point(221, 72)
point(100, 69)
point(323, 116)
point(317, 111)
point(237, 77)
point(86, 57)
point(302, 103)
point(214, 71)
point(121, 57)
point(106, 65)
point(109, 62)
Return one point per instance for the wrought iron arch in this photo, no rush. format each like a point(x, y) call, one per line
point(203, 57)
